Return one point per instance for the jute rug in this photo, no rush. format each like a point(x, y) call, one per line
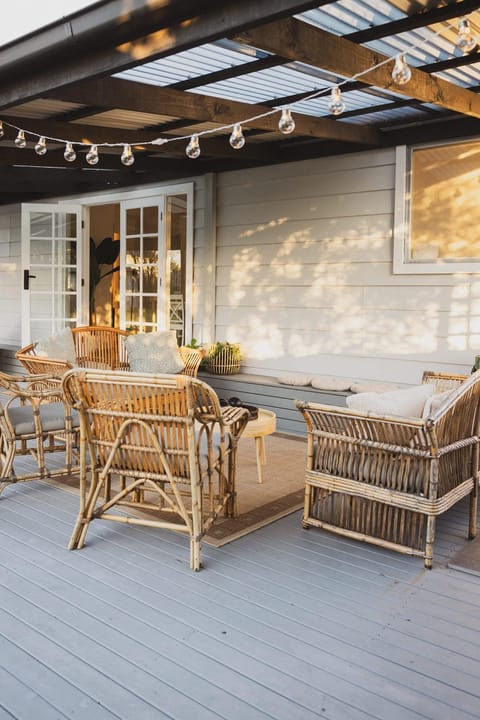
point(258, 504)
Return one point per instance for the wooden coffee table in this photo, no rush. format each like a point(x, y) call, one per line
point(264, 425)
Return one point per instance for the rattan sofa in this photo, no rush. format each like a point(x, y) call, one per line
point(97, 347)
point(385, 480)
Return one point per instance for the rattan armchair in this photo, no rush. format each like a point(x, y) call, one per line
point(161, 447)
point(34, 422)
point(385, 480)
point(97, 347)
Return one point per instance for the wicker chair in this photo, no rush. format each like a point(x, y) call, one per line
point(97, 347)
point(385, 480)
point(162, 448)
point(34, 421)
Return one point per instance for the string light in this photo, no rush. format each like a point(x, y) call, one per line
point(41, 146)
point(336, 104)
point(20, 141)
point(92, 155)
point(466, 40)
point(286, 124)
point(70, 155)
point(193, 147)
point(237, 140)
point(127, 156)
point(401, 74)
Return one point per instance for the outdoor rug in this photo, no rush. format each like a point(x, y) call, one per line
point(258, 504)
point(468, 558)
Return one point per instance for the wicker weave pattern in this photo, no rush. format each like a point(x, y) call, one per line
point(386, 479)
point(97, 347)
point(32, 392)
point(153, 447)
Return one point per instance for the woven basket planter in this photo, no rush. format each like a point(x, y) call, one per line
point(223, 359)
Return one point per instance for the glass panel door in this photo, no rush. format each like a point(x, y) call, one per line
point(51, 272)
point(142, 306)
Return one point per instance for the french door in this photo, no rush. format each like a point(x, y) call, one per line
point(155, 264)
point(51, 265)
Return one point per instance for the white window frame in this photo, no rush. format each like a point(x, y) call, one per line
point(401, 230)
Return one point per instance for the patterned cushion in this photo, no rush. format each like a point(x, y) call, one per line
point(155, 352)
point(59, 346)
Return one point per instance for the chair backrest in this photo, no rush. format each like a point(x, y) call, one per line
point(442, 381)
point(100, 347)
point(144, 409)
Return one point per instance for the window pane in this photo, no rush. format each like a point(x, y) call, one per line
point(133, 221)
point(41, 224)
point(65, 225)
point(133, 250)
point(150, 249)
point(150, 219)
point(445, 207)
point(150, 275)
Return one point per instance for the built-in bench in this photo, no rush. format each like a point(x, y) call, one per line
point(8, 361)
point(266, 392)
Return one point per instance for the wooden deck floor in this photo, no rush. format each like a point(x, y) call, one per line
point(284, 624)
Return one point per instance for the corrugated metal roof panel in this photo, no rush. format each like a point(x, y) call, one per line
point(123, 119)
point(40, 109)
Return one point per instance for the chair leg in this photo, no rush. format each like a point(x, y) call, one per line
point(429, 542)
point(472, 525)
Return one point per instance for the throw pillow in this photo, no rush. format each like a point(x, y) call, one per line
point(60, 346)
point(155, 352)
point(294, 379)
point(331, 382)
point(436, 401)
point(408, 402)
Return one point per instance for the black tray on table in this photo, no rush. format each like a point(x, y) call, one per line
point(236, 402)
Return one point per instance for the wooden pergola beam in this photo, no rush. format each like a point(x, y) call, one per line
point(114, 38)
point(300, 41)
point(127, 95)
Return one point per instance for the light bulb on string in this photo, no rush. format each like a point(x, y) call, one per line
point(193, 147)
point(92, 155)
point(401, 73)
point(127, 156)
point(336, 104)
point(20, 141)
point(237, 139)
point(286, 124)
point(2, 131)
point(466, 40)
point(41, 146)
point(70, 155)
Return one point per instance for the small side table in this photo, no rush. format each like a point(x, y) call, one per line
point(264, 425)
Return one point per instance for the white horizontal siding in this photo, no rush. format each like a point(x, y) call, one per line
point(305, 281)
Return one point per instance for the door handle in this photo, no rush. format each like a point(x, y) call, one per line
point(26, 279)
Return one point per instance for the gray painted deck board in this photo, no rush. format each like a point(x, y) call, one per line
point(283, 623)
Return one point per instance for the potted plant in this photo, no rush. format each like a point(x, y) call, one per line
point(223, 358)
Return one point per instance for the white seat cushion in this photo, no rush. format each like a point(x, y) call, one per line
point(294, 379)
point(408, 402)
point(363, 386)
point(331, 382)
point(155, 352)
